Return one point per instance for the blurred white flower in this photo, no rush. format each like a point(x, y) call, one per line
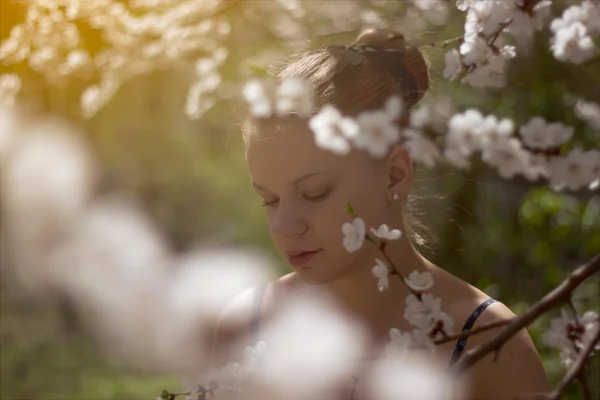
point(422, 149)
point(537, 134)
point(464, 135)
point(420, 118)
point(393, 107)
point(384, 232)
point(48, 178)
point(332, 130)
point(456, 158)
point(507, 156)
point(403, 377)
point(10, 85)
point(378, 132)
point(419, 281)
point(589, 112)
point(523, 24)
point(573, 170)
point(205, 280)
point(463, 5)
point(112, 267)
point(569, 337)
point(400, 343)
point(572, 43)
point(381, 272)
point(295, 95)
point(10, 125)
point(537, 167)
point(453, 65)
point(304, 359)
point(259, 99)
point(354, 234)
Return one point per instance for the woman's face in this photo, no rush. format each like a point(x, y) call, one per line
point(305, 191)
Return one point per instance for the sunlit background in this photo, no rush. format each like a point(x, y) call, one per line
point(182, 161)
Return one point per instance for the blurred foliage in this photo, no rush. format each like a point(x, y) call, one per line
point(511, 238)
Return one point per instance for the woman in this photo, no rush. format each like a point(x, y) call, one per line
point(304, 189)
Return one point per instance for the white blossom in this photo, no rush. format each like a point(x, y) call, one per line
point(381, 272)
point(463, 5)
point(354, 234)
point(419, 281)
point(573, 43)
point(537, 134)
point(399, 344)
point(426, 314)
point(10, 85)
point(456, 158)
point(464, 136)
point(259, 99)
point(384, 232)
point(295, 94)
point(378, 132)
point(589, 112)
point(332, 130)
point(537, 167)
point(570, 336)
point(523, 24)
point(573, 170)
point(422, 149)
point(507, 156)
point(475, 50)
point(453, 65)
point(393, 107)
point(420, 117)
point(490, 73)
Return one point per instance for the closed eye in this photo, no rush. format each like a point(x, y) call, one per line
point(317, 197)
point(269, 203)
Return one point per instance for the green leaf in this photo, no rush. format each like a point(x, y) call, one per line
point(259, 71)
point(349, 209)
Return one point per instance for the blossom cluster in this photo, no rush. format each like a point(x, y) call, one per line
point(51, 44)
point(570, 334)
point(479, 58)
point(532, 150)
point(574, 32)
point(422, 310)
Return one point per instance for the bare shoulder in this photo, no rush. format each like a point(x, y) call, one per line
point(517, 371)
point(234, 325)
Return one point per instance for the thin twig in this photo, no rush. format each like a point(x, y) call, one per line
point(474, 331)
point(577, 369)
point(447, 42)
point(585, 389)
point(558, 295)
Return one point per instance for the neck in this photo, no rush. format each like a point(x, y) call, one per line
point(358, 293)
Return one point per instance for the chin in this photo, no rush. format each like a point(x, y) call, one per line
point(313, 275)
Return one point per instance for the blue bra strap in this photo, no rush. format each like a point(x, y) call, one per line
point(255, 321)
point(460, 345)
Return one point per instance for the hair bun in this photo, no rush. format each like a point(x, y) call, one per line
point(393, 43)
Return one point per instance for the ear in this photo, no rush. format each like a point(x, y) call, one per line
point(400, 170)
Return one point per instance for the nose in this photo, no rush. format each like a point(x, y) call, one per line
point(288, 221)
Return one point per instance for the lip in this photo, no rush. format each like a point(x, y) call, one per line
point(299, 258)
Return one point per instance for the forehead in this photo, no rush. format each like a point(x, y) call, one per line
point(278, 156)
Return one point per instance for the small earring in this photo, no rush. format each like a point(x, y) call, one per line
point(395, 197)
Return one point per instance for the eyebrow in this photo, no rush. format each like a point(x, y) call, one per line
point(295, 181)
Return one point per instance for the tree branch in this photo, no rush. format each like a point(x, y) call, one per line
point(474, 331)
point(576, 371)
point(558, 295)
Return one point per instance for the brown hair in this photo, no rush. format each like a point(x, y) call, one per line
point(362, 77)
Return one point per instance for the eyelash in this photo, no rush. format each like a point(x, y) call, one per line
point(309, 198)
